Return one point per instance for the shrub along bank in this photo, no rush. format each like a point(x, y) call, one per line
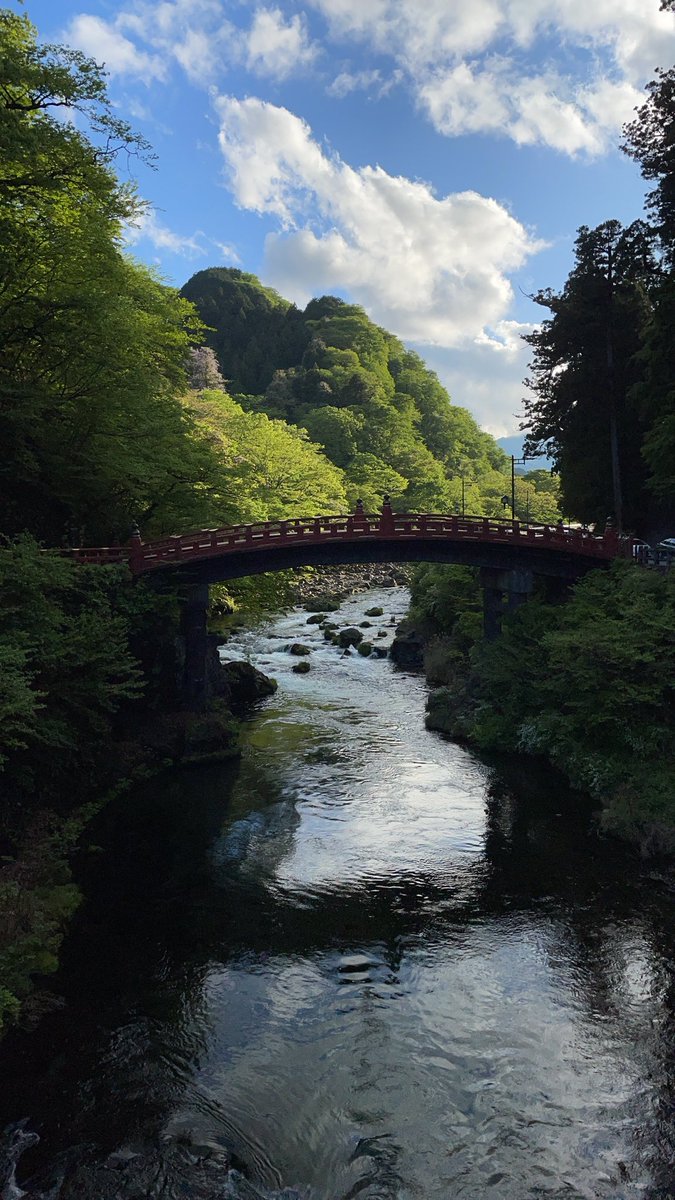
point(89, 701)
point(588, 684)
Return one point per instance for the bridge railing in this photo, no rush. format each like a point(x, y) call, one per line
point(97, 555)
point(381, 526)
point(384, 526)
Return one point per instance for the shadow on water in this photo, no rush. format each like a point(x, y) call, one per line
point(491, 1018)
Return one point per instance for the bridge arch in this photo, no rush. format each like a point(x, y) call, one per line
point(508, 553)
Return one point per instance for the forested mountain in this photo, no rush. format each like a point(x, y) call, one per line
point(380, 414)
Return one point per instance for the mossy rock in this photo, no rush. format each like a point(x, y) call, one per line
point(298, 649)
point(331, 625)
point(374, 612)
point(365, 625)
point(349, 637)
point(442, 711)
point(322, 605)
point(301, 668)
point(316, 619)
point(365, 649)
point(381, 633)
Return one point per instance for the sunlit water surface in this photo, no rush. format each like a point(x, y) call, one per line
point(364, 964)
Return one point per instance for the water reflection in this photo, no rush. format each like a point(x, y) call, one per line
point(363, 963)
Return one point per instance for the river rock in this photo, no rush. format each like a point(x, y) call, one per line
point(246, 684)
point(374, 612)
point(365, 625)
point(322, 604)
point(316, 619)
point(349, 637)
point(299, 650)
point(441, 714)
point(365, 649)
point(301, 668)
point(407, 649)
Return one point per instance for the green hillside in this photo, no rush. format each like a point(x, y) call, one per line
point(380, 414)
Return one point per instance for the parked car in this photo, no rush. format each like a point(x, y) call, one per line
point(665, 550)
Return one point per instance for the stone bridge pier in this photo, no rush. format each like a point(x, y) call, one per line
point(195, 635)
point(503, 591)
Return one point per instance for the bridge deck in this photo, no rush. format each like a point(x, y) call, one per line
point(386, 527)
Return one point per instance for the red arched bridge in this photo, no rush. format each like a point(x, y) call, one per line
point(508, 554)
point(213, 555)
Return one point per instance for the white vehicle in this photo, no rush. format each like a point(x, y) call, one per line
point(665, 550)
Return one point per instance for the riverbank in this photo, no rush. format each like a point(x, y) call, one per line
point(38, 894)
point(586, 684)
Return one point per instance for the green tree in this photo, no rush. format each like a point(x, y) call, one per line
point(272, 469)
point(67, 666)
point(585, 365)
point(650, 141)
point(92, 347)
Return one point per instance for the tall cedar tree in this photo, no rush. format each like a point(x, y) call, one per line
point(650, 141)
point(586, 363)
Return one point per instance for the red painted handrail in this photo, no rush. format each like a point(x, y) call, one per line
point(353, 527)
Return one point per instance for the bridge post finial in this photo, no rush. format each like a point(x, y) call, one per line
point(387, 517)
point(358, 511)
point(135, 549)
point(610, 537)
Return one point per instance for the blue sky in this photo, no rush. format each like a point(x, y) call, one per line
point(429, 159)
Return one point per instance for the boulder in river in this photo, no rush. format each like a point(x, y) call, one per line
point(365, 649)
point(407, 649)
point(349, 637)
point(316, 618)
point(301, 668)
point(374, 612)
point(322, 604)
point(245, 683)
point(299, 650)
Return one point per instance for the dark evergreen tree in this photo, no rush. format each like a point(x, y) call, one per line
point(650, 140)
point(586, 364)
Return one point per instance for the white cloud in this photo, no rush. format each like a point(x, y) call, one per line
point(228, 253)
point(107, 45)
point(148, 228)
point(433, 270)
point(477, 67)
point(278, 47)
point(486, 375)
point(144, 40)
point(348, 81)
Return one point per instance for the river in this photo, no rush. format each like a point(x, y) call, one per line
point(360, 962)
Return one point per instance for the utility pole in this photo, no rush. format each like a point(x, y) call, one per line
point(515, 460)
